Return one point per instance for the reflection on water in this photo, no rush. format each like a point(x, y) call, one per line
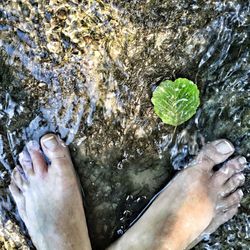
point(87, 69)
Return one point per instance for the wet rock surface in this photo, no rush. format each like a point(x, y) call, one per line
point(87, 69)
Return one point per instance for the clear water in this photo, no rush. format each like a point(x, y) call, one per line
point(87, 69)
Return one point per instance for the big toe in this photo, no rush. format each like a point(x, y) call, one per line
point(56, 150)
point(214, 153)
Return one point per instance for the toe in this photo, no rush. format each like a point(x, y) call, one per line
point(214, 153)
point(230, 201)
point(26, 163)
point(56, 150)
point(38, 161)
point(228, 215)
point(18, 179)
point(229, 169)
point(232, 184)
point(15, 191)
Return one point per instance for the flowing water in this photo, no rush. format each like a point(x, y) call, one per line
point(87, 69)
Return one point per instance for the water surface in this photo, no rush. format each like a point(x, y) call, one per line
point(87, 69)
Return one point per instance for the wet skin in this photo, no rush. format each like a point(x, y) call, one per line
point(48, 197)
point(196, 202)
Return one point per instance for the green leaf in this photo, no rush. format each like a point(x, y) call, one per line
point(176, 102)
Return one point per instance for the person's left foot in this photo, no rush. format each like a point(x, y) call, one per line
point(48, 197)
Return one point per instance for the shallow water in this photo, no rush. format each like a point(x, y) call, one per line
point(87, 69)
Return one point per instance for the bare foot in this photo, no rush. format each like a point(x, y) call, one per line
point(223, 212)
point(197, 201)
point(48, 197)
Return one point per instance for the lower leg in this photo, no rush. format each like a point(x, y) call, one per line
point(196, 202)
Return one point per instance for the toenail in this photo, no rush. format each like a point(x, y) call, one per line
point(242, 160)
point(224, 170)
point(24, 157)
point(241, 177)
point(240, 193)
point(224, 147)
point(51, 142)
point(33, 146)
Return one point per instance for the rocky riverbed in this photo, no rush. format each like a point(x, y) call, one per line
point(87, 69)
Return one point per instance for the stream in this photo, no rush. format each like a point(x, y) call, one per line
point(86, 69)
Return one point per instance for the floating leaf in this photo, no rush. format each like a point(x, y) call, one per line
point(176, 102)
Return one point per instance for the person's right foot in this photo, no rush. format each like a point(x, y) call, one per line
point(197, 201)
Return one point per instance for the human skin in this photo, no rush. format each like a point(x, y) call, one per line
point(197, 201)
